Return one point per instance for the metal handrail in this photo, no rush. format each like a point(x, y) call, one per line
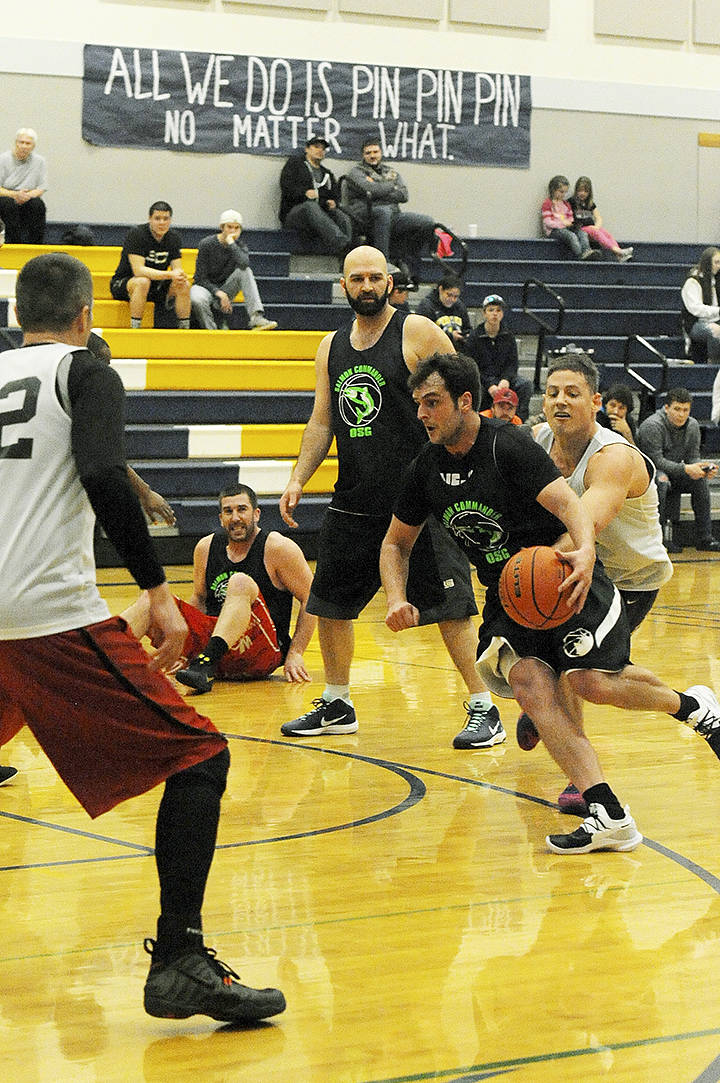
point(542, 324)
point(648, 391)
point(462, 252)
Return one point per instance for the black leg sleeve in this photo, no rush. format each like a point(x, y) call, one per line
point(185, 836)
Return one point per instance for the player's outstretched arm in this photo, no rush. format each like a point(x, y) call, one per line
point(559, 499)
point(316, 439)
point(394, 564)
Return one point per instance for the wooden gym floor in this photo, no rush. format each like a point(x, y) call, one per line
point(397, 890)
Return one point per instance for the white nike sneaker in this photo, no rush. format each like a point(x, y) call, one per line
point(598, 832)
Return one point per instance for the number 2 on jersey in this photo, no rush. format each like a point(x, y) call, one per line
point(22, 448)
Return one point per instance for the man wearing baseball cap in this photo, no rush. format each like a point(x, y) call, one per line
point(309, 199)
point(221, 271)
point(504, 406)
point(494, 351)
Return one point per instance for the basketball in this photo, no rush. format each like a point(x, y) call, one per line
point(529, 588)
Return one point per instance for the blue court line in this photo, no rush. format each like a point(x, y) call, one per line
point(416, 787)
point(77, 831)
point(498, 1067)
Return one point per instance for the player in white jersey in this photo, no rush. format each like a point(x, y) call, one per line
point(105, 715)
point(616, 481)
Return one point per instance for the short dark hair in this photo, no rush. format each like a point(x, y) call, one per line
point(620, 393)
point(160, 205)
point(236, 490)
point(458, 371)
point(51, 292)
point(450, 281)
point(580, 363)
point(371, 141)
point(677, 394)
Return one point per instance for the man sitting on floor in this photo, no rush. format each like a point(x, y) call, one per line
point(238, 617)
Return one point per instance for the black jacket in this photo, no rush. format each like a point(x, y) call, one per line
point(497, 358)
point(296, 178)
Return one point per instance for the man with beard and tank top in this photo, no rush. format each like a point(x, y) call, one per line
point(362, 399)
point(238, 617)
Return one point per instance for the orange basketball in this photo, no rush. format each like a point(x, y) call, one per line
point(529, 588)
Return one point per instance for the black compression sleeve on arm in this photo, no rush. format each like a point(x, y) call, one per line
point(98, 416)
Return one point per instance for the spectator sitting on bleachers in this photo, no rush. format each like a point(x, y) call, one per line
point(700, 311)
point(671, 438)
point(444, 307)
point(309, 199)
point(494, 351)
point(398, 296)
point(617, 410)
point(221, 271)
point(375, 187)
point(504, 406)
point(558, 220)
point(587, 217)
point(23, 182)
point(150, 268)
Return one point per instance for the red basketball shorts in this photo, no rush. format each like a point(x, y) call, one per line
point(255, 655)
point(112, 727)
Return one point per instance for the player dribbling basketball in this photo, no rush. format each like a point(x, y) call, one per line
point(507, 493)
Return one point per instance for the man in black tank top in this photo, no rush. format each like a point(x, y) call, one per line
point(362, 399)
point(244, 582)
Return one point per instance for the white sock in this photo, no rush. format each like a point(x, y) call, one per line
point(481, 699)
point(337, 691)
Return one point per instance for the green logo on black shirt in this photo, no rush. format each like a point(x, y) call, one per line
point(359, 397)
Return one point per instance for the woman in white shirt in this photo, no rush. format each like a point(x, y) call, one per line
point(700, 310)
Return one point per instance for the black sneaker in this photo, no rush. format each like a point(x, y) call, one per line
point(598, 832)
point(482, 729)
point(708, 545)
point(199, 984)
point(526, 733)
point(6, 773)
point(198, 674)
point(333, 716)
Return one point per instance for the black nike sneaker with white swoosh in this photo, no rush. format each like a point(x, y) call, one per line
point(327, 716)
point(482, 729)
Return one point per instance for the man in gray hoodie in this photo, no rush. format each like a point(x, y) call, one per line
point(671, 438)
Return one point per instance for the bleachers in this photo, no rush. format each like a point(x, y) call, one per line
point(205, 407)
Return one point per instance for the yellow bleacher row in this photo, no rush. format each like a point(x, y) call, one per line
point(101, 260)
point(149, 359)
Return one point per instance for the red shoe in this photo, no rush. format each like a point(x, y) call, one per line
point(572, 801)
point(444, 248)
point(526, 734)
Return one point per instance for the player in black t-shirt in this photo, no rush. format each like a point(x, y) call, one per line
point(150, 268)
point(495, 491)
